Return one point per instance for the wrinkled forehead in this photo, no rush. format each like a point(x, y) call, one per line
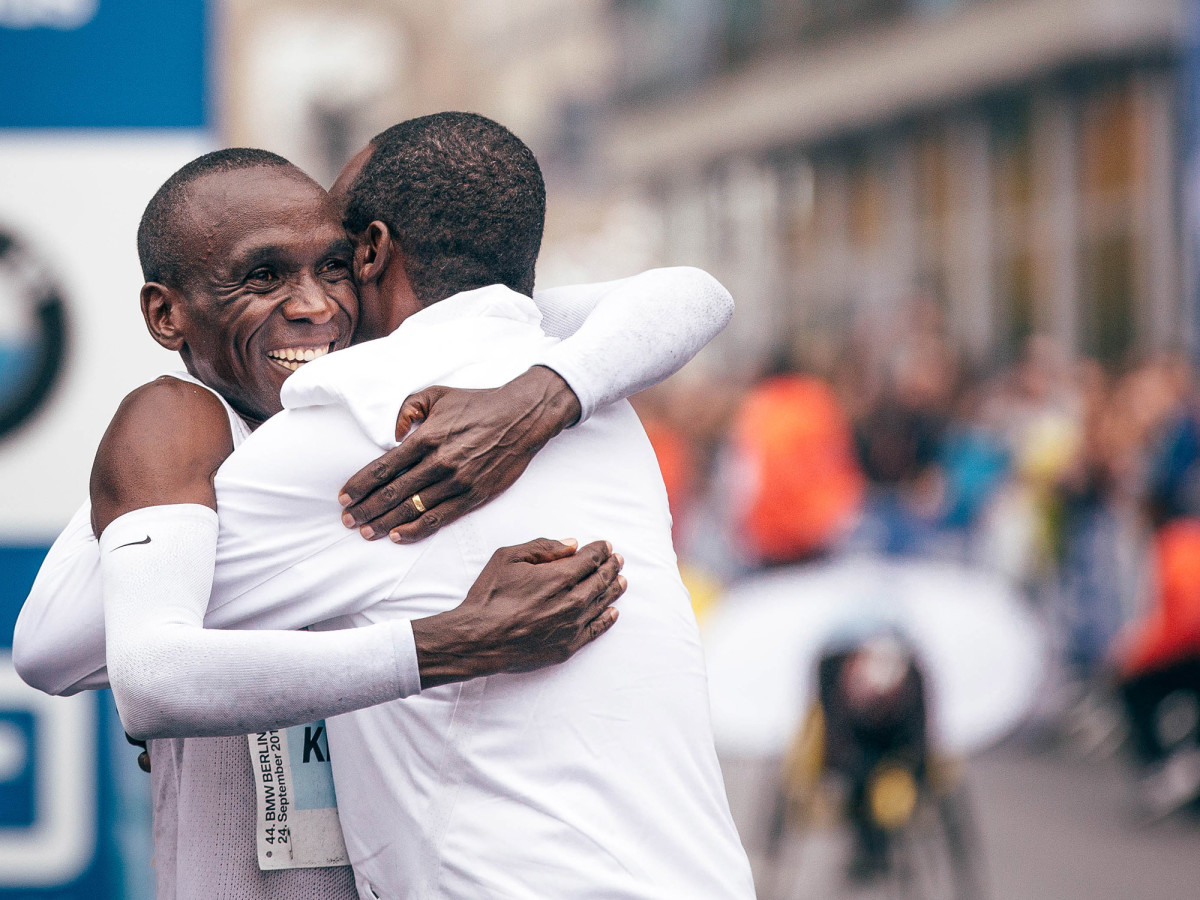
point(253, 196)
point(227, 213)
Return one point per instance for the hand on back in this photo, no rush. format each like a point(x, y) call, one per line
point(467, 448)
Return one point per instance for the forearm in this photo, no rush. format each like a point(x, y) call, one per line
point(172, 677)
point(450, 648)
point(188, 682)
point(624, 336)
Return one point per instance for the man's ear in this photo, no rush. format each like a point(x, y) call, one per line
point(373, 253)
point(163, 310)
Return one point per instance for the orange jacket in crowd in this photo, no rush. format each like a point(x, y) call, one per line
point(1171, 631)
point(795, 449)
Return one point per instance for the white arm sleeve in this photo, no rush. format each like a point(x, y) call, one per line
point(58, 642)
point(172, 677)
point(623, 336)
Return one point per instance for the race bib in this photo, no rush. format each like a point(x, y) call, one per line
point(298, 826)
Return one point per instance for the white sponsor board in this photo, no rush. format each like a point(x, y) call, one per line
point(73, 200)
point(61, 755)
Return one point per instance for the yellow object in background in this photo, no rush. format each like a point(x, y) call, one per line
point(893, 796)
point(704, 589)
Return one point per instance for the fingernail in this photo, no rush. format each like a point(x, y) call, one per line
point(622, 581)
point(395, 536)
point(368, 532)
point(608, 546)
point(348, 520)
point(344, 498)
point(620, 559)
point(570, 542)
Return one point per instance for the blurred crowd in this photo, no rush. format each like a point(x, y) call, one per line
point(1077, 480)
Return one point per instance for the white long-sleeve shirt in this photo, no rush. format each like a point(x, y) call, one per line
point(595, 778)
point(619, 337)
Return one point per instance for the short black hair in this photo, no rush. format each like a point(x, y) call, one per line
point(462, 196)
point(159, 236)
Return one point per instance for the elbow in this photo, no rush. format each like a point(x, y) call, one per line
point(716, 303)
point(146, 705)
point(139, 717)
point(139, 729)
point(162, 706)
point(36, 665)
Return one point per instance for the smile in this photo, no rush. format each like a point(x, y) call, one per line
point(294, 357)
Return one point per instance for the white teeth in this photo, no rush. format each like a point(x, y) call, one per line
point(294, 357)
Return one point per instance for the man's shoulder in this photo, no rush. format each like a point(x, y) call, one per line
point(472, 332)
point(163, 445)
point(372, 379)
point(169, 413)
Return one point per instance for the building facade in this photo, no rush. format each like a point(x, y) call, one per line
point(1014, 161)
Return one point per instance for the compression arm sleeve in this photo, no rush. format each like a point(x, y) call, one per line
point(58, 642)
point(173, 678)
point(623, 336)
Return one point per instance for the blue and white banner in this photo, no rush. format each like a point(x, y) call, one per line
point(100, 100)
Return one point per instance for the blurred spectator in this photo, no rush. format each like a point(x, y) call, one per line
point(900, 434)
point(800, 487)
point(1158, 662)
point(1169, 633)
point(975, 462)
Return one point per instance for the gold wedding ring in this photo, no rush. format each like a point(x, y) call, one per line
point(416, 501)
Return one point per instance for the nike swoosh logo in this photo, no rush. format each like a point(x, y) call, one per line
point(134, 543)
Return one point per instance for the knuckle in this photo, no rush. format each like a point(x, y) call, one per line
point(390, 520)
point(380, 470)
point(430, 520)
point(387, 493)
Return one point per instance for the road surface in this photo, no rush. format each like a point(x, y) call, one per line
point(1051, 828)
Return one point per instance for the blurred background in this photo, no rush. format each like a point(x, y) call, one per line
point(935, 489)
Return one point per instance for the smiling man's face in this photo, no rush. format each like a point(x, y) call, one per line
point(269, 286)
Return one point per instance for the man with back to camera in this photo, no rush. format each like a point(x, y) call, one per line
point(594, 778)
point(206, 357)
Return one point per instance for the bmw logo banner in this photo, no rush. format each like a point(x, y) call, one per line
point(101, 101)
